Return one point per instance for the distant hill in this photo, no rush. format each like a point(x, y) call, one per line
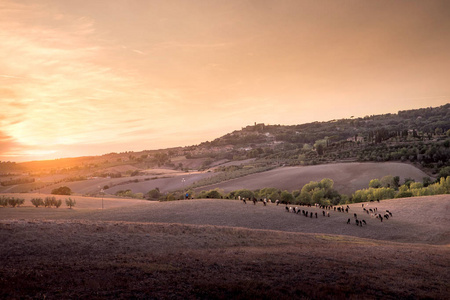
point(420, 137)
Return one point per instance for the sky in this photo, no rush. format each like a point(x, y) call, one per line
point(82, 78)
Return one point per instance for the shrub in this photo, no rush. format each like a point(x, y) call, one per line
point(375, 183)
point(58, 203)
point(168, 197)
point(13, 202)
point(4, 201)
point(37, 202)
point(154, 194)
point(49, 201)
point(128, 193)
point(321, 192)
point(244, 193)
point(286, 197)
point(444, 172)
point(372, 194)
point(63, 190)
point(269, 193)
point(215, 194)
point(404, 194)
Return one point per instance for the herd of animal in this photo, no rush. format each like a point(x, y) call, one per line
point(372, 212)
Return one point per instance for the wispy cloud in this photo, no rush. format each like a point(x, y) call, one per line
point(62, 93)
point(138, 52)
point(75, 76)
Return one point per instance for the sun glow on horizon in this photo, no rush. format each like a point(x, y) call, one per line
point(113, 76)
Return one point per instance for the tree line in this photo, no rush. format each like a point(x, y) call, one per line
point(323, 192)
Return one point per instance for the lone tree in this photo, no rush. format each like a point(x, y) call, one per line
point(63, 190)
point(70, 202)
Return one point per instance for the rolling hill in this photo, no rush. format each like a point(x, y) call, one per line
point(210, 248)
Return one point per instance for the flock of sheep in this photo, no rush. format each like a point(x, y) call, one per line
point(372, 212)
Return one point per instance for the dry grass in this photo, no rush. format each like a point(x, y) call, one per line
point(222, 249)
point(347, 177)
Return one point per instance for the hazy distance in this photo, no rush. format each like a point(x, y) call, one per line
point(91, 77)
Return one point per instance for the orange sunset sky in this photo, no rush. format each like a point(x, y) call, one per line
point(91, 77)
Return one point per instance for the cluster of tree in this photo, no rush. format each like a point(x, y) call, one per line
point(237, 139)
point(422, 189)
point(107, 174)
point(129, 194)
point(160, 158)
point(63, 190)
point(323, 193)
point(9, 166)
point(153, 194)
point(410, 188)
point(428, 154)
point(75, 178)
point(314, 192)
point(330, 139)
point(22, 180)
point(375, 129)
point(319, 192)
point(47, 202)
point(11, 201)
point(414, 135)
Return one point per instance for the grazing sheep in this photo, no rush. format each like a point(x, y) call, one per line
point(355, 216)
point(287, 209)
point(364, 222)
point(348, 221)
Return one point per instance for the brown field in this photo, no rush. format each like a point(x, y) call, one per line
point(222, 249)
point(347, 177)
